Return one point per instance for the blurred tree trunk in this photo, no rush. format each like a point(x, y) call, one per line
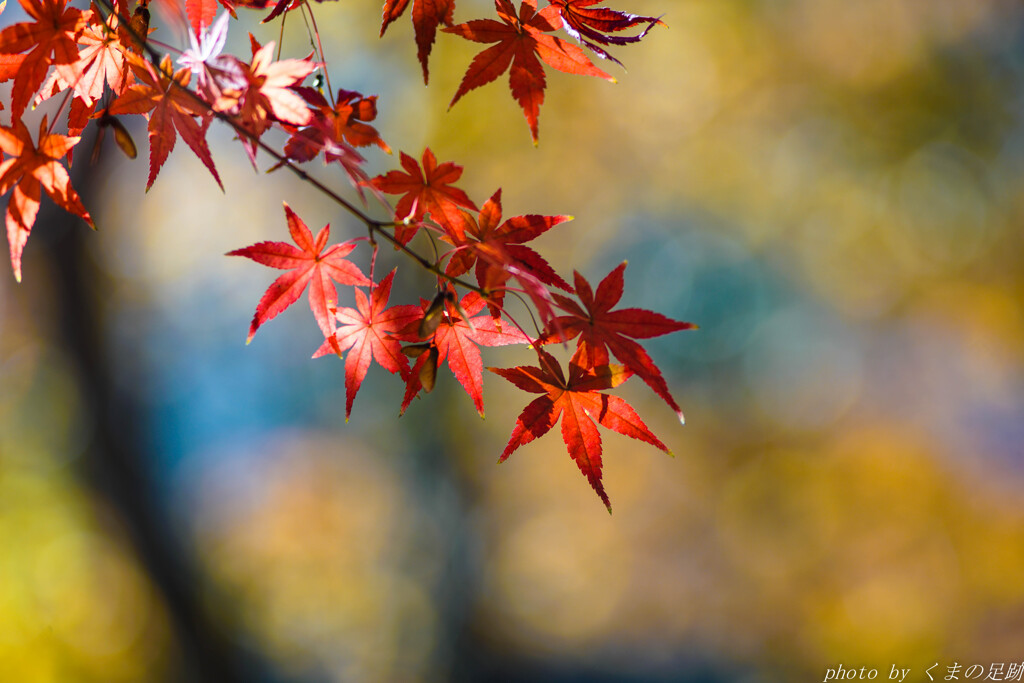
point(115, 464)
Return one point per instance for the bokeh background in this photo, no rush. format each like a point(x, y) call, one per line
point(832, 190)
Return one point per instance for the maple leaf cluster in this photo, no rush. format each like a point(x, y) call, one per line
point(522, 42)
point(449, 330)
point(102, 63)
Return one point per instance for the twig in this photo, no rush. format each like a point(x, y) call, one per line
point(374, 225)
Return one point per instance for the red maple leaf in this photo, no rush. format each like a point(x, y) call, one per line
point(307, 263)
point(79, 115)
point(30, 170)
point(230, 5)
point(9, 66)
point(578, 402)
point(425, 191)
point(366, 334)
point(498, 250)
point(54, 32)
point(329, 131)
point(171, 108)
point(522, 42)
point(265, 94)
point(601, 330)
point(349, 120)
point(345, 125)
point(200, 14)
point(586, 23)
point(426, 16)
point(278, 9)
point(455, 340)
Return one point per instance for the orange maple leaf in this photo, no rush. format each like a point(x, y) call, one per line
point(54, 32)
point(101, 61)
point(30, 169)
point(103, 54)
point(171, 107)
point(266, 95)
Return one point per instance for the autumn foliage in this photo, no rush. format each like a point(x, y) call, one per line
point(100, 62)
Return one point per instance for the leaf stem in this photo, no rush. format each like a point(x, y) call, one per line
point(323, 58)
point(280, 37)
point(526, 305)
point(63, 103)
point(165, 46)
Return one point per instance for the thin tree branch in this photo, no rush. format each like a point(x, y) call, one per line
point(375, 226)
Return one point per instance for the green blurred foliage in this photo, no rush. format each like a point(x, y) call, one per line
point(74, 604)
